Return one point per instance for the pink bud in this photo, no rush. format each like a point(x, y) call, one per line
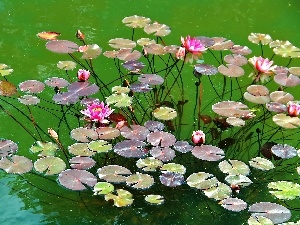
point(83, 75)
point(198, 137)
point(293, 108)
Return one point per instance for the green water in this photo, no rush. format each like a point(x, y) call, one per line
point(21, 203)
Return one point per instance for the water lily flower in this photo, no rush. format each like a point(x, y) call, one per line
point(97, 111)
point(262, 65)
point(198, 137)
point(193, 45)
point(83, 75)
point(180, 53)
point(293, 108)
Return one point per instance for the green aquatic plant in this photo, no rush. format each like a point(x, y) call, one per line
point(143, 128)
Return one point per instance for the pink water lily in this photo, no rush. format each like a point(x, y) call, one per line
point(97, 111)
point(293, 108)
point(262, 65)
point(193, 45)
point(83, 75)
point(198, 137)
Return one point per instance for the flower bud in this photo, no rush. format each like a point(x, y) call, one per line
point(52, 133)
point(83, 75)
point(80, 35)
point(198, 137)
point(293, 108)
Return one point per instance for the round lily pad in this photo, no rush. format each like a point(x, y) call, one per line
point(103, 188)
point(149, 164)
point(62, 46)
point(133, 65)
point(257, 94)
point(284, 151)
point(135, 132)
point(155, 199)
point(204, 69)
point(113, 173)
point(164, 154)
point(90, 51)
point(81, 163)
point(284, 190)
point(140, 181)
point(123, 198)
point(286, 121)
point(261, 163)
point(219, 192)
point(152, 79)
point(50, 165)
point(154, 125)
point(171, 179)
point(16, 164)
point(130, 148)
point(236, 59)
point(119, 43)
point(183, 146)
point(84, 134)
point(239, 180)
point(259, 220)
point(136, 21)
point(231, 109)
point(242, 50)
point(157, 29)
point(99, 146)
point(29, 100)
point(155, 49)
point(7, 147)
point(202, 180)
point(234, 167)
point(208, 152)
point(32, 86)
point(140, 87)
point(66, 65)
point(281, 97)
point(164, 139)
point(164, 113)
point(233, 204)
point(231, 70)
point(173, 167)
point(119, 100)
point(56, 82)
point(80, 149)
point(44, 148)
point(107, 133)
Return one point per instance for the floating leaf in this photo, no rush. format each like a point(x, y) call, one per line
point(119, 43)
point(183, 146)
point(32, 86)
point(80, 149)
point(62, 46)
point(286, 121)
point(287, 49)
point(257, 38)
point(284, 190)
point(107, 133)
point(77, 180)
point(4, 71)
point(285, 80)
point(44, 148)
point(127, 54)
point(259, 220)
point(155, 199)
point(140, 87)
point(204, 69)
point(231, 109)
point(173, 167)
point(155, 49)
point(171, 179)
point(221, 43)
point(261, 163)
point(276, 107)
point(284, 151)
point(48, 35)
point(56, 82)
point(123, 198)
point(83, 88)
point(149, 164)
point(113, 173)
point(236, 59)
point(16, 164)
point(103, 188)
point(234, 167)
point(164, 139)
point(99, 146)
point(233, 204)
point(221, 191)
point(157, 29)
point(208, 152)
point(151, 79)
point(82, 163)
point(136, 21)
point(239, 180)
point(231, 70)
point(164, 113)
point(276, 213)
point(281, 97)
point(140, 181)
point(7, 88)
point(206, 41)
point(119, 100)
point(202, 180)
point(7, 147)
point(154, 125)
point(135, 132)
point(29, 100)
point(66, 65)
point(50, 165)
point(295, 70)
point(242, 50)
point(236, 122)
point(164, 154)
point(133, 65)
point(91, 51)
point(145, 41)
point(130, 148)
point(84, 134)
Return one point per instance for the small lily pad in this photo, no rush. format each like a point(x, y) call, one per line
point(239, 180)
point(56, 82)
point(236, 59)
point(62, 46)
point(119, 100)
point(103, 188)
point(140, 181)
point(66, 65)
point(29, 100)
point(84, 134)
point(50, 165)
point(4, 71)
point(80, 149)
point(130, 148)
point(183, 146)
point(119, 43)
point(135, 132)
point(173, 167)
point(286, 121)
point(284, 190)
point(155, 199)
point(284, 151)
point(91, 51)
point(7, 147)
point(231, 109)
point(171, 179)
point(136, 21)
point(164, 139)
point(202, 180)
point(123, 198)
point(149, 164)
point(44, 148)
point(164, 113)
point(99, 146)
point(221, 191)
point(261, 163)
point(259, 220)
point(32, 86)
point(164, 154)
point(208, 152)
point(151, 79)
point(157, 29)
point(107, 133)
point(7, 88)
point(113, 173)
point(82, 163)
point(154, 125)
point(233, 204)
point(234, 167)
point(16, 164)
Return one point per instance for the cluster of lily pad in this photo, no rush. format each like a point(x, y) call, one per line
point(147, 133)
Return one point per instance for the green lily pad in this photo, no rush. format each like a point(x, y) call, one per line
point(103, 188)
point(164, 113)
point(202, 180)
point(261, 163)
point(123, 198)
point(16, 164)
point(66, 65)
point(239, 180)
point(220, 192)
point(119, 89)
point(259, 220)
point(44, 148)
point(284, 189)
point(99, 146)
point(155, 199)
point(119, 100)
point(149, 164)
point(287, 50)
point(173, 167)
point(234, 167)
point(80, 149)
point(91, 51)
point(4, 71)
point(140, 181)
point(84, 134)
point(50, 165)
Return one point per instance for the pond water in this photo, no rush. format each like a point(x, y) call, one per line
point(36, 200)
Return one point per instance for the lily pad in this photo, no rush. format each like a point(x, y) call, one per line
point(90, 51)
point(84, 134)
point(173, 167)
point(66, 65)
point(183, 146)
point(157, 29)
point(130, 148)
point(288, 81)
point(113, 173)
point(231, 109)
point(239, 180)
point(119, 43)
point(295, 71)
point(140, 87)
point(149, 164)
point(123, 198)
point(103, 188)
point(164, 154)
point(276, 107)
point(171, 179)
point(151, 79)
point(233, 204)
point(119, 100)
point(231, 70)
point(56, 82)
point(155, 199)
point(44, 148)
point(155, 49)
point(140, 181)
point(135, 132)
point(259, 220)
point(29, 100)
point(284, 151)
point(7, 147)
point(4, 71)
point(80, 149)
point(286, 121)
point(234, 167)
point(77, 180)
point(145, 41)
point(208, 152)
point(82, 163)
point(204, 69)
point(16, 164)
point(99, 146)
point(261, 163)
point(221, 43)
point(136, 21)
point(7, 88)
point(257, 38)
point(62, 46)
point(287, 50)
point(32, 86)
point(202, 180)
point(50, 165)
point(133, 65)
point(236, 59)
point(221, 191)
point(236, 122)
point(281, 97)
point(164, 113)
point(107, 133)
point(154, 125)
point(164, 139)
point(284, 190)
point(241, 50)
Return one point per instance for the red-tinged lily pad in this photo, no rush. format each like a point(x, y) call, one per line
point(204, 69)
point(119, 43)
point(234, 167)
point(66, 65)
point(99, 146)
point(32, 86)
point(107, 133)
point(130, 149)
point(281, 97)
point(7, 147)
point(286, 121)
point(151, 79)
point(126, 54)
point(65, 98)
point(284, 151)
point(236, 59)
point(123, 198)
point(285, 80)
point(82, 163)
point(7, 88)
point(154, 125)
point(157, 29)
point(56, 82)
point(233, 204)
point(276, 107)
point(16, 164)
point(48, 35)
point(164, 154)
point(183, 146)
point(29, 100)
point(231, 70)
point(140, 87)
point(171, 179)
point(164, 139)
point(62, 46)
point(80, 149)
point(208, 152)
point(231, 109)
point(155, 49)
point(84, 134)
point(91, 51)
point(44, 148)
point(206, 41)
point(83, 88)
point(281, 70)
point(133, 65)
point(77, 180)
point(275, 212)
point(49, 165)
point(136, 21)
point(242, 50)
point(221, 43)
point(135, 132)
point(140, 181)
point(113, 173)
